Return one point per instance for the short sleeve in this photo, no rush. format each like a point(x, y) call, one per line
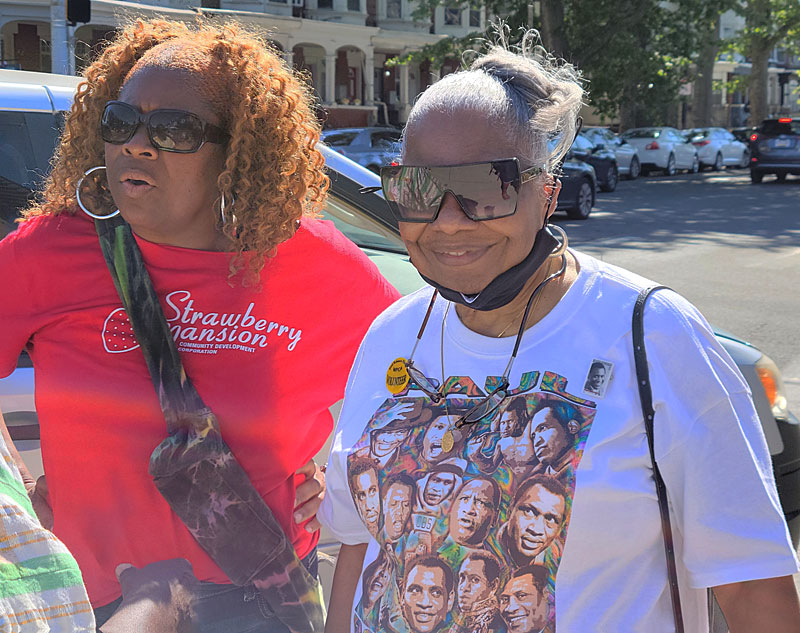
point(711, 451)
point(338, 512)
point(16, 309)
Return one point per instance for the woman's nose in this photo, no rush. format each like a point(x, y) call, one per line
point(139, 144)
point(451, 215)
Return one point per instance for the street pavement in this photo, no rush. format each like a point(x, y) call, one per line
point(732, 248)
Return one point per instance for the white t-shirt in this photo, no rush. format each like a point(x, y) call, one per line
point(548, 517)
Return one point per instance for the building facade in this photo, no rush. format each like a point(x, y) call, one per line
point(344, 47)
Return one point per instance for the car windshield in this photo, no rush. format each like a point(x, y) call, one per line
point(697, 135)
point(775, 127)
point(339, 139)
point(358, 226)
point(642, 132)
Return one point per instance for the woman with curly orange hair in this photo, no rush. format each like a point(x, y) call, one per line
point(204, 142)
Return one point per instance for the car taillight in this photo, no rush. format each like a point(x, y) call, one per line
point(653, 145)
point(770, 377)
point(701, 143)
point(394, 163)
point(786, 119)
point(754, 137)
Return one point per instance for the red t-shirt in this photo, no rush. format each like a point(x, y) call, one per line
point(268, 360)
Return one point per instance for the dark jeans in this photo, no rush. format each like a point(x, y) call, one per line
point(227, 608)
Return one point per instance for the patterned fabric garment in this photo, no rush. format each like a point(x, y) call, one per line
point(474, 535)
point(40, 584)
point(195, 470)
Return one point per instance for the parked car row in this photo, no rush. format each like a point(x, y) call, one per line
point(598, 157)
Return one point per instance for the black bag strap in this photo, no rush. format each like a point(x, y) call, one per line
point(646, 398)
point(176, 393)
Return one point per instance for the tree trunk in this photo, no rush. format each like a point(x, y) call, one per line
point(759, 73)
point(554, 35)
point(628, 109)
point(704, 83)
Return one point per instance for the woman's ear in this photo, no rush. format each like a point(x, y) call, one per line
point(551, 190)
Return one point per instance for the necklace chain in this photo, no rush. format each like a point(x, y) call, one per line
point(531, 312)
point(533, 307)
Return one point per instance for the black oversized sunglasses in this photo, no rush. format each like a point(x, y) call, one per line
point(168, 130)
point(485, 191)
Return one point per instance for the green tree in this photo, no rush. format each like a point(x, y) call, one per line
point(635, 53)
point(768, 23)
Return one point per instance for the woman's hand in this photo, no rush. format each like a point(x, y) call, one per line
point(40, 500)
point(309, 494)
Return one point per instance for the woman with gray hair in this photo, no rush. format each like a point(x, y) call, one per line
point(513, 312)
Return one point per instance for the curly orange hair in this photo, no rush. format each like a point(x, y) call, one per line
point(272, 171)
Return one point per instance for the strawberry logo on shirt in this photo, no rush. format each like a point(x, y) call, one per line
point(202, 331)
point(118, 334)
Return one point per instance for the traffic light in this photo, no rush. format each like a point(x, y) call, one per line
point(78, 11)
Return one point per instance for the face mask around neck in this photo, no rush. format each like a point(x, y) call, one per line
point(504, 288)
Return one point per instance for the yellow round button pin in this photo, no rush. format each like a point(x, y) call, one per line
point(448, 441)
point(397, 376)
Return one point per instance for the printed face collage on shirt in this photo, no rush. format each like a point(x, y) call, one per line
point(470, 538)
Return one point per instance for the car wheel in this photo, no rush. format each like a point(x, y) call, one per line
point(635, 169)
point(612, 177)
point(756, 177)
point(745, 159)
point(781, 176)
point(717, 166)
point(584, 199)
point(670, 169)
point(695, 165)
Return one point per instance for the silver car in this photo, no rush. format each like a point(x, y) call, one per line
point(628, 160)
point(717, 148)
point(663, 148)
point(370, 147)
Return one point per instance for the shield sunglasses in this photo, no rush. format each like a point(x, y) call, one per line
point(484, 191)
point(168, 130)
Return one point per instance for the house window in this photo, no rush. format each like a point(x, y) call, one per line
point(475, 17)
point(354, 5)
point(325, 4)
point(394, 9)
point(452, 16)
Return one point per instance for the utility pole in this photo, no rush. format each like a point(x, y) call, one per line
point(59, 38)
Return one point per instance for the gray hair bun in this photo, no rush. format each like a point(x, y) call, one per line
point(525, 91)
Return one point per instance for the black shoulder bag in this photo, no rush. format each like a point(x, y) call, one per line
point(195, 470)
point(646, 397)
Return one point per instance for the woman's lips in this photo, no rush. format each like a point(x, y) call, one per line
point(136, 188)
point(458, 256)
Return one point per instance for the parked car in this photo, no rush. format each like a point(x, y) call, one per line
point(578, 187)
point(31, 117)
point(372, 147)
point(775, 148)
point(717, 148)
point(743, 134)
point(663, 148)
point(627, 155)
point(366, 219)
point(603, 160)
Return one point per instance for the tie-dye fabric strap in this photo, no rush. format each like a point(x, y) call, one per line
point(195, 470)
